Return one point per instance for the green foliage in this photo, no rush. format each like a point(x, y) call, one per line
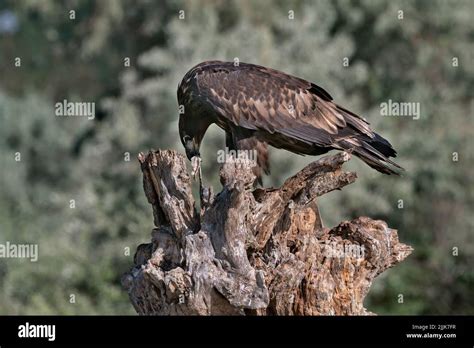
point(83, 249)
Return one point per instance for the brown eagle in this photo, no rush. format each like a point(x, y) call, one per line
point(257, 106)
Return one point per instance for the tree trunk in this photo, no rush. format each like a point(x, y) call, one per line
point(254, 251)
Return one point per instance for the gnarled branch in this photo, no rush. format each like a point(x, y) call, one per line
point(254, 251)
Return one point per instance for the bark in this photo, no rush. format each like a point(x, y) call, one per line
point(254, 251)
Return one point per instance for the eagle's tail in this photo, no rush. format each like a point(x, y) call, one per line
point(375, 152)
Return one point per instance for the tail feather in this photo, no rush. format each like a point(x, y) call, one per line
point(383, 146)
point(375, 152)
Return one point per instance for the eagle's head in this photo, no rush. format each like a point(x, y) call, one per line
point(191, 132)
point(189, 138)
point(196, 115)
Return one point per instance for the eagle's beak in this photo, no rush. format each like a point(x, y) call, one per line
point(192, 149)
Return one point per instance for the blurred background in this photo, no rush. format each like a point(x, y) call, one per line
point(425, 57)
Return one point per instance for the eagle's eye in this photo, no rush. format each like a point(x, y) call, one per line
point(186, 138)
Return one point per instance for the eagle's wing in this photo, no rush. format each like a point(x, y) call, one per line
point(255, 97)
point(259, 98)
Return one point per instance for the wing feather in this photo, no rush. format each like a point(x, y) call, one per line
point(259, 98)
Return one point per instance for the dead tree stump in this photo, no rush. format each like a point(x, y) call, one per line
point(254, 251)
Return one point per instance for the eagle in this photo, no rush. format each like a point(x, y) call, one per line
point(258, 106)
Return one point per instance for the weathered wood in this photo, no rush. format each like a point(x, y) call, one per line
point(254, 251)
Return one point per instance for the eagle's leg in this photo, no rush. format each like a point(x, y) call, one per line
point(248, 145)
